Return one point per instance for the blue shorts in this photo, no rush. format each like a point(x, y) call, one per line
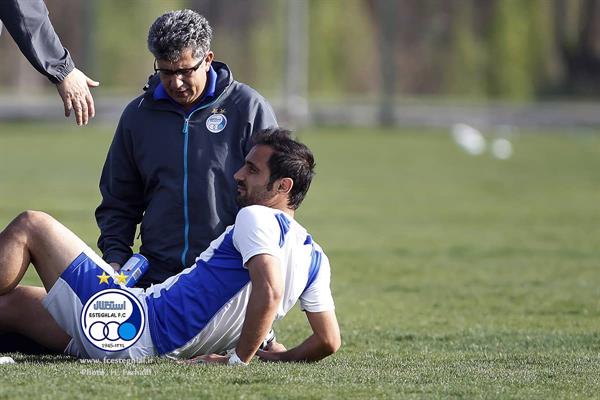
point(85, 279)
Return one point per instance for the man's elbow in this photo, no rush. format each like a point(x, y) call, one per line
point(272, 297)
point(336, 344)
point(330, 344)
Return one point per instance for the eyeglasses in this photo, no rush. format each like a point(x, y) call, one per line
point(178, 72)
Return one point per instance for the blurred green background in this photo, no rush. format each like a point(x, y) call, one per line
point(470, 49)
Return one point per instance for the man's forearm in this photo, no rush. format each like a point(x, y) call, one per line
point(312, 349)
point(262, 307)
point(324, 341)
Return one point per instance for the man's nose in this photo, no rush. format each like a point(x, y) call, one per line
point(176, 81)
point(238, 175)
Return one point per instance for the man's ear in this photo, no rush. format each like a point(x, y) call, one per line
point(285, 185)
point(210, 56)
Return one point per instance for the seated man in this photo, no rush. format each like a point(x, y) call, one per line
point(248, 277)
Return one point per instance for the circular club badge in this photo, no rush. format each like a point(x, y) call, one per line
point(216, 123)
point(113, 320)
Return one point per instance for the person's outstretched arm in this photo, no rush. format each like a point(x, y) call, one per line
point(28, 23)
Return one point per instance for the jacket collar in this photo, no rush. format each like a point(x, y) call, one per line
point(223, 80)
point(161, 94)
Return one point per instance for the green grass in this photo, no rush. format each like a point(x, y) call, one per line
point(454, 276)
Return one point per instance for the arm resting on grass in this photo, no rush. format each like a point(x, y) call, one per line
point(324, 341)
point(267, 290)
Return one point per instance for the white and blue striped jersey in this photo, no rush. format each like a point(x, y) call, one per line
point(201, 310)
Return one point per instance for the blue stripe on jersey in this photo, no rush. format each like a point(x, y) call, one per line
point(284, 226)
point(315, 266)
point(308, 240)
point(81, 276)
point(183, 309)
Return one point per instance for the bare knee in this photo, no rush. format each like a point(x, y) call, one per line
point(16, 243)
point(31, 221)
point(27, 225)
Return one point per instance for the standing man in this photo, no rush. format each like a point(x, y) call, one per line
point(171, 163)
point(28, 23)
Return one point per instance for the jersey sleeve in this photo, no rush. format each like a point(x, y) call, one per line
point(317, 296)
point(256, 232)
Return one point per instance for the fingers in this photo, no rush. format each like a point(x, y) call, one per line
point(275, 346)
point(266, 356)
point(115, 266)
point(91, 82)
point(90, 104)
point(81, 112)
point(88, 97)
point(273, 352)
point(68, 106)
point(76, 95)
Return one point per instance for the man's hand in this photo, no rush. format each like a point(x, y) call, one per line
point(272, 352)
point(324, 341)
point(115, 266)
point(75, 93)
point(275, 346)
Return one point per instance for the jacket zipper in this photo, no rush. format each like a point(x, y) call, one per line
point(186, 214)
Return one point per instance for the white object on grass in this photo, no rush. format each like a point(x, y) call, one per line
point(7, 360)
point(502, 149)
point(468, 138)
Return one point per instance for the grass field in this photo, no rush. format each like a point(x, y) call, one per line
point(454, 276)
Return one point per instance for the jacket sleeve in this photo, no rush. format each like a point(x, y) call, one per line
point(28, 23)
point(122, 204)
point(261, 116)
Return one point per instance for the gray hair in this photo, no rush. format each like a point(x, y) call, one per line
point(177, 31)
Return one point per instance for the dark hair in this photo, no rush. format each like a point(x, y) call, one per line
point(177, 31)
point(290, 159)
